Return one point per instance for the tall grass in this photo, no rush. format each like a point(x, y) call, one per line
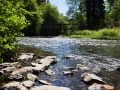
point(100, 34)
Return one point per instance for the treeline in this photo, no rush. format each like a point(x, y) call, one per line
point(25, 18)
point(94, 14)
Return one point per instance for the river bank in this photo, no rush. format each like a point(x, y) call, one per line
point(95, 55)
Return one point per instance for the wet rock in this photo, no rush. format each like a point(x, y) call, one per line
point(68, 73)
point(26, 56)
point(40, 67)
point(91, 78)
point(96, 86)
point(69, 68)
point(28, 83)
point(50, 72)
point(14, 86)
point(47, 61)
point(82, 67)
point(69, 57)
point(4, 65)
point(44, 82)
point(48, 87)
point(9, 69)
point(32, 77)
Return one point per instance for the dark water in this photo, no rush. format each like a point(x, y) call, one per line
point(101, 56)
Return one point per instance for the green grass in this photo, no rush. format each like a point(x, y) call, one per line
point(100, 34)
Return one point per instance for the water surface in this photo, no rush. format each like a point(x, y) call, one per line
point(101, 56)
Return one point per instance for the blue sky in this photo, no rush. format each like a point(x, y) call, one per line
point(61, 4)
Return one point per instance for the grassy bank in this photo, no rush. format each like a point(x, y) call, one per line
point(93, 34)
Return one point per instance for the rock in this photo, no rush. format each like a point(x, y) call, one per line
point(82, 67)
point(48, 87)
point(69, 57)
point(40, 67)
point(108, 87)
point(50, 72)
point(47, 61)
point(9, 69)
point(28, 83)
point(69, 68)
point(14, 86)
point(26, 56)
point(15, 76)
point(68, 73)
point(4, 65)
point(23, 70)
point(91, 78)
point(44, 82)
point(32, 77)
point(96, 86)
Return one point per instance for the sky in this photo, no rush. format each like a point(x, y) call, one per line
point(61, 5)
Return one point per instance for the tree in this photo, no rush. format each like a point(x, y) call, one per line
point(34, 17)
point(95, 11)
point(12, 21)
point(51, 16)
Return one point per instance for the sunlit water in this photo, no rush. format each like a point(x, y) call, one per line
point(101, 56)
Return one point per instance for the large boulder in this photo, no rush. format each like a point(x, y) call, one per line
point(48, 87)
point(14, 86)
point(91, 78)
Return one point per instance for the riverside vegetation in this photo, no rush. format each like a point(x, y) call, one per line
point(109, 34)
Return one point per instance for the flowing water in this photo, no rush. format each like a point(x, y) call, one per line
point(101, 56)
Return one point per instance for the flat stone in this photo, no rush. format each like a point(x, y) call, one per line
point(50, 72)
point(4, 65)
point(91, 78)
point(69, 57)
point(48, 87)
point(14, 86)
point(68, 73)
point(25, 56)
point(32, 77)
point(44, 82)
point(82, 67)
point(96, 86)
point(9, 69)
point(69, 68)
point(28, 83)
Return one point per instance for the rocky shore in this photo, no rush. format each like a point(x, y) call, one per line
point(25, 77)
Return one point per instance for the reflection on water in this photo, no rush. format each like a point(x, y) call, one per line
point(99, 55)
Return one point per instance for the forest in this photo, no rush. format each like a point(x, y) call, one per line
point(84, 18)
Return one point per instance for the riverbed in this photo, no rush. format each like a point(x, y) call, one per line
point(101, 56)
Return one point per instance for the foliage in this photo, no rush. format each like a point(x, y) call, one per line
point(51, 15)
point(12, 21)
point(100, 34)
point(34, 17)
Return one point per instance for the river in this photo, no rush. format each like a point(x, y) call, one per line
point(101, 56)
